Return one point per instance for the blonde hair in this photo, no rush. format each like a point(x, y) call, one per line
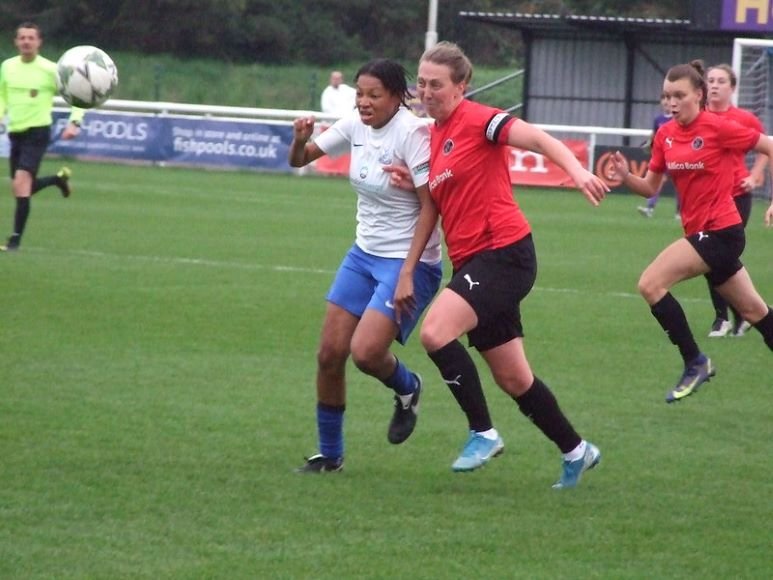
point(449, 54)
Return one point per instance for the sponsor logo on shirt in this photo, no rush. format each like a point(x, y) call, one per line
point(685, 166)
point(421, 168)
point(669, 142)
point(440, 178)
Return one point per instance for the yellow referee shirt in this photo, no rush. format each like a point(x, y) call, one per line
point(27, 91)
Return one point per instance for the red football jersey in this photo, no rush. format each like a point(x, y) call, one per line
point(696, 156)
point(469, 180)
point(747, 119)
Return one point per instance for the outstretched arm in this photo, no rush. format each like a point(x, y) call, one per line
point(647, 186)
point(527, 136)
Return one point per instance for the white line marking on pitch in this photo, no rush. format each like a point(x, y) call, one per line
point(303, 270)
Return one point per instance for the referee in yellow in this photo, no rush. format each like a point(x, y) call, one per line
point(27, 89)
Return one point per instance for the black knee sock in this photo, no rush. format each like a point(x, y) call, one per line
point(668, 312)
point(41, 182)
point(765, 326)
point(20, 218)
point(458, 372)
point(541, 407)
point(720, 306)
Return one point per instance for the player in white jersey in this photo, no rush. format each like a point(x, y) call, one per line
point(360, 319)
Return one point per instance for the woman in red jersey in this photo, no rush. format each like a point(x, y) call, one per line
point(694, 149)
point(494, 263)
point(720, 83)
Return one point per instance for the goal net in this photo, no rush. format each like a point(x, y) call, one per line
point(753, 65)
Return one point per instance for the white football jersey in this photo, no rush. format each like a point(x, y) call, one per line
point(386, 215)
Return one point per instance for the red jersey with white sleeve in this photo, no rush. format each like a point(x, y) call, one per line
point(747, 119)
point(469, 180)
point(696, 158)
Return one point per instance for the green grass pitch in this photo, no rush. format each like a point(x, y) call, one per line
point(157, 359)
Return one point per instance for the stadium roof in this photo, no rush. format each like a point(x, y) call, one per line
point(562, 25)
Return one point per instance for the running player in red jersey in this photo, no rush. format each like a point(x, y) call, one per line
point(694, 148)
point(721, 82)
point(490, 246)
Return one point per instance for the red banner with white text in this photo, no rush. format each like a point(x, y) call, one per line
point(529, 168)
point(526, 167)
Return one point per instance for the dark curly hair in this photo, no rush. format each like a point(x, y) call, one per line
point(392, 75)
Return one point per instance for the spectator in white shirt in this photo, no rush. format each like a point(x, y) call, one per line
point(338, 97)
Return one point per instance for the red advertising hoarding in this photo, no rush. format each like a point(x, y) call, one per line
point(526, 167)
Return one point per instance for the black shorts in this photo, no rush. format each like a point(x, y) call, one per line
point(743, 203)
point(721, 250)
point(28, 148)
point(494, 282)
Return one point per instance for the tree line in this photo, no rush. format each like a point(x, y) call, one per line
point(322, 32)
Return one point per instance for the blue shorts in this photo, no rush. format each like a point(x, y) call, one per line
point(366, 281)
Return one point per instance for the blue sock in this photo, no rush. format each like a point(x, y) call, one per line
point(402, 381)
point(330, 426)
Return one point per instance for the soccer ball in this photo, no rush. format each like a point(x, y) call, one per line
point(86, 76)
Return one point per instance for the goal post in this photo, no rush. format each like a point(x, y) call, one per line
point(753, 67)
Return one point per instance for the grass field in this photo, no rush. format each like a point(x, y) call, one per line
point(157, 359)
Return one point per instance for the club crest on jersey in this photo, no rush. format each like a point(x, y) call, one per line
point(386, 157)
point(697, 143)
point(448, 146)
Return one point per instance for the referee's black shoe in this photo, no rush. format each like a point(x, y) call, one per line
point(11, 245)
point(63, 181)
point(404, 418)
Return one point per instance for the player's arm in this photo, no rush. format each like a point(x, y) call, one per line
point(757, 173)
point(404, 298)
point(76, 116)
point(526, 136)
point(647, 186)
point(73, 126)
point(301, 151)
point(764, 146)
point(764, 149)
point(3, 99)
point(769, 215)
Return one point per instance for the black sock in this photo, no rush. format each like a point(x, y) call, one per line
point(458, 372)
point(668, 312)
point(41, 182)
point(541, 407)
point(20, 218)
point(765, 326)
point(720, 306)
